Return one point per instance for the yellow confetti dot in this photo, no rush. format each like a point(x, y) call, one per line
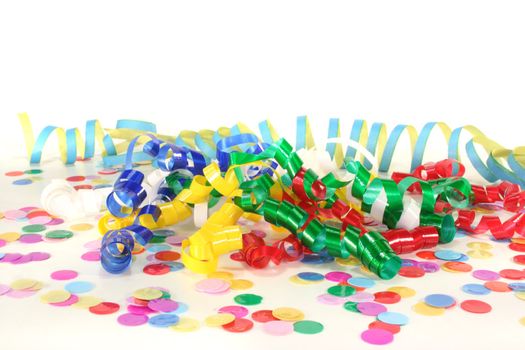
point(24, 283)
point(479, 254)
point(225, 275)
point(427, 310)
point(288, 314)
point(37, 286)
point(522, 321)
point(404, 292)
point(186, 324)
point(81, 227)
point(218, 320)
point(518, 240)
point(87, 301)
point(520, 295)
point(351, 261)
point(479, 245)
point(1, 215)
point(10, 236)
point(241, 284)
point(147, 294)
point(444, 268)
point(55, 296)
point(100, 182)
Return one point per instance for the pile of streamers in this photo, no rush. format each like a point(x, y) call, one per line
point(256, 178)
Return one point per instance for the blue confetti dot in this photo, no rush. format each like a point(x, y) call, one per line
point(312, 259)
point(449, 255)
point(362, 282)
point(310, 276)
point(408, 262)
point(2, 255)
point(158, 247)
point(79, 287)
point(475, 289)
point(163, 320)
point(22, 182)
point(517, 286)
point(440, 300)
point(174, 265)
point(460, 234)
point(393, 318)
point(182, 308)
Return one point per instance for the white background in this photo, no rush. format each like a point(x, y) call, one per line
point(196, 64)
point(204, 64)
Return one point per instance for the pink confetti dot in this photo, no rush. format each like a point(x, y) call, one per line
point(64, 275)
point(329, 299)
point(14, 214)
point(371, 309)
point(70, 301)
point(91, 256)
point(140, 310)
point(30, 238)
point(377, 336)
point(39, 256)
point(212, 286)
point(19, 294)
point(278, 327)
point(4, 289)
point(163, 305)
point(41, 220)
point(236, 310)
point(337, 276)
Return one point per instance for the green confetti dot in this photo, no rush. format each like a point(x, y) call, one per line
point(59, 234)
point(308, 327)
point(33, 228)
point(341, 291)
point(157, 239)
point(351, 306)
point(248, 299)
point(33, 171)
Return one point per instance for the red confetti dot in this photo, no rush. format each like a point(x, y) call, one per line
point(239, 325)
point(83, 187)
point(411, 271)
point(517, 247)
point(512, 274)
point(35, 213)
point(104, 308)
point(263, 316)
point(140, 302)
point(519, 259)
point(156, 269)
point(387, 297)
point(476, 306)
point(426, 254)
point(14, 173)
point(497, 286)
point(76, 178)
point(392, 328)
point(167, 255)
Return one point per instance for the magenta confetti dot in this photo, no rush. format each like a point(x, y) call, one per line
point(329, 299)
point(163, 305)
point(64, 275)
point(10, 257)
point(278, 327)
point(2, 243)
point(56, 221)
point(39, 256)
point(28, 209)
point(4, 289)
point(486, 275)
point(337, 276)
point(236, 310)
point(70, 301)
point(91, 256)
point(377, 336)
point(140, 310)
point(24, 259)
point(30, 238)
point(371, 309)
point(19, 294)
point(428, 266)
point(132, 319)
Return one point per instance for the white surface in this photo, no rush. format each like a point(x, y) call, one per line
point(188, 65)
